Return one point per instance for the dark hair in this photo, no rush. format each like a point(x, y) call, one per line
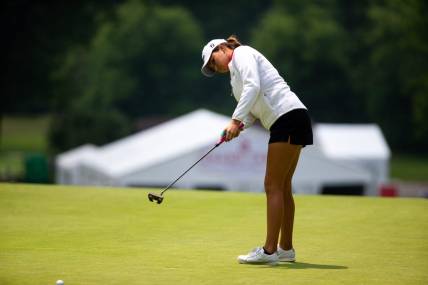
point(232, 42)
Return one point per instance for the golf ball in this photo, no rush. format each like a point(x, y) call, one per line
point(59, 282)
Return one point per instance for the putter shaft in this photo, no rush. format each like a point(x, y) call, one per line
point(172, 183)
point(159, 198)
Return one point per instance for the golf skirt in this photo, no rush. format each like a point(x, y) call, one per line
point(293, 127)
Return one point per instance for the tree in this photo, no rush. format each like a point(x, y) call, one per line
point(143, 59)
point(308, 45)
point(395, 76)
point(140, 63)
point(35, 35)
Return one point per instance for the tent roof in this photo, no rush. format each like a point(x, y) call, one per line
point(72, 157)
point(160, 143)
point(351, 141)
point(315, 167)
point(200, 129)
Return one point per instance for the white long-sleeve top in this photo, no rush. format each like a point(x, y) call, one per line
point(259, 89)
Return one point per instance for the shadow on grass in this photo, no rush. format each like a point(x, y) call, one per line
point(302, 265)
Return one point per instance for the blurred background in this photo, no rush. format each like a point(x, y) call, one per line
point(78, 72)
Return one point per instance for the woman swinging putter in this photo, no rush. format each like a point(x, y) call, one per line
point(263, 94)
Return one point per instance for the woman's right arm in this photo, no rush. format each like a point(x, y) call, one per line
point(246, 65)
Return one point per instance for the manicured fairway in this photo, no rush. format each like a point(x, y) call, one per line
point(115, 236)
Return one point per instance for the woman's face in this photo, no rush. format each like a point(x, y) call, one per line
point(219, 60)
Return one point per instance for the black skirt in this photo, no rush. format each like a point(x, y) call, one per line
point(294, 127)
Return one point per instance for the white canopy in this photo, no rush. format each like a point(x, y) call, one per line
point(72, 157)
point(352, 141)
point(161, 143)
point(343, 155)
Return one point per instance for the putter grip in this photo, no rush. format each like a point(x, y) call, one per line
point(223, 135)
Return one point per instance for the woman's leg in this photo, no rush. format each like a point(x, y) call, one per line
point(280, 160)
point(286, 241)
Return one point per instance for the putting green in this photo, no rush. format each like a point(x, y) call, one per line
point(115, 236)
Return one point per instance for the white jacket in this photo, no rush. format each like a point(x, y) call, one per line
point(259, 89)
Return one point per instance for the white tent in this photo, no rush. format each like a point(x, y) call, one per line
point(315, 173)
point(67, 164)
point(158, 155)
point(155, 157)
point(358, 146)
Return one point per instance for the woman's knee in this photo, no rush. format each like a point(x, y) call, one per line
point(272, 186)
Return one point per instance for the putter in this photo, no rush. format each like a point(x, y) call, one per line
point(159, 197)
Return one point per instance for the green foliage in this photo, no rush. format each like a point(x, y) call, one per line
point(20, 137)
point(349, 61)
point(35, 38)
point(24, 133)
point(79, 126)
point(136, 62)
point(396, 72)
point(132, 67)
point(409, 167)
point(310, 49)
point(371, 67)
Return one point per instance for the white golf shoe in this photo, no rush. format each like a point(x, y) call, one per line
point(258, 256)
point(286, 255)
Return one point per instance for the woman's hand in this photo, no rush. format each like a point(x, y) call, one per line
point(232, 130)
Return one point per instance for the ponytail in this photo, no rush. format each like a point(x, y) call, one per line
point(232, 42)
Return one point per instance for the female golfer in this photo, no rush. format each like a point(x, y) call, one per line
point(263, 94)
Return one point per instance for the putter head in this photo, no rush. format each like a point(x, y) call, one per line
point(154, 197)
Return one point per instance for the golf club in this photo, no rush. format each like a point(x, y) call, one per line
point(159, 197)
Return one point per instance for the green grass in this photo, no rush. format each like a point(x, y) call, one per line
point(24, 133)
point(409, 167)
point(12, 163)
point(21, 136)
point(115, 236)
